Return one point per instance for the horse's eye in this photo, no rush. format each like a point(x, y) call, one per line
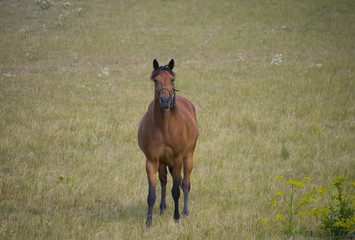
point(173, 80)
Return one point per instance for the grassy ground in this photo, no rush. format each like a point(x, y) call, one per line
point(273, 83)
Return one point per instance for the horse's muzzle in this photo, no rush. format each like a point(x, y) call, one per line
point(165, 102)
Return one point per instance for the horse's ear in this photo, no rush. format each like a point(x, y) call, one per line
point(171, 64)
point(155, 64)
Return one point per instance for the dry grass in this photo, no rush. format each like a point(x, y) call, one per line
point(70, 167)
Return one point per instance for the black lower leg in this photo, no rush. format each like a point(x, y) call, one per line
point(151, 201)
point(176, 195)
point(163, 194)
point(185, 211)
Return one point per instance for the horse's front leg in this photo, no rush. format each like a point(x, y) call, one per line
point(163, 179)
point(175, 191)
point(151, 174)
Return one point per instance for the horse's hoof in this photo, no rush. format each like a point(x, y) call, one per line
point(162, 209)
point(185, 213)
point(148, 224)
point(176, 217)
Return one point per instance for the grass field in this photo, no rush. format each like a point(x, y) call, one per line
point(273, 83)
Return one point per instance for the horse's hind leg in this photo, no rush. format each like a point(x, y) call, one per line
point(186, 183)
point(163, 179)
point(151, 173)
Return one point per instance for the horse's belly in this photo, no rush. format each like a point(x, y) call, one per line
point(168, 157)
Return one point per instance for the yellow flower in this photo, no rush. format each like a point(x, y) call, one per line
point(279, 194)
point(295, 183)
point(340, 224)
point(273, 203)
point(313, 210)
point(322, 190)
point(280, 217)
point(279, 177)
point(265, 220)
point(304, 213)
point(307, 178)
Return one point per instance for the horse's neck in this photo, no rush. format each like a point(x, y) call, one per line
point(161, 117)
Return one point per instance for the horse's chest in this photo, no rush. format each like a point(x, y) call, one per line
point(167, 156)
point(170, 147)
point(167, 149)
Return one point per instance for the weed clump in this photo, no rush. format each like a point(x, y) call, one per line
point(333, 208)
point(337, 216)
point(289, 204)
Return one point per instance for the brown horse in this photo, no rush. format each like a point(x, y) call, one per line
point(167, 136)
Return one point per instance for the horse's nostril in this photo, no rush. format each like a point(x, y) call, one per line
point(164, 99)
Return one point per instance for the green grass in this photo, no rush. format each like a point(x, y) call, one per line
point(70, 166)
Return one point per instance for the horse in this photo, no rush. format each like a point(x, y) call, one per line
point(167, 136)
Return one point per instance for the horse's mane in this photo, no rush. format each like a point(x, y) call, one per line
point(162, 68)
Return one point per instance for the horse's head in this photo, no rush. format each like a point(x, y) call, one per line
point(163, 77)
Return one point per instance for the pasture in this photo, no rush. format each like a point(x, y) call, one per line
point(273, 83)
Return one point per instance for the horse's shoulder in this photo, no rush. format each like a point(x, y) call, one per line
point(150, 106)
point(144, 118)
point(149, 109)
point(184, 103)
